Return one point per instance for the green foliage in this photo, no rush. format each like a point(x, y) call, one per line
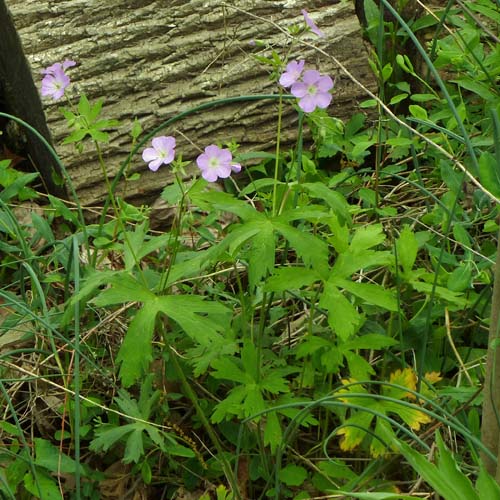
point(140, 434)
point(446, 478)
point(87, 123)
point(15, 184)
point(329, 301)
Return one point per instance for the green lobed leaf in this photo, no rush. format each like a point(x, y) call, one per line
point(290, 278)
point(293, 475)
point(124, 288)
point(407, 249)
point(136, 351)
point(312, 249)
point(371, 293)
point(342, 315)
point(272, 431)
point(232, 405)
point(134, 447)
point(201, 319)
point(335, 200)
point(226, 368)
point(107, 435)
point(253, 402)
point(48, 486)
point(261, 255)
point(461, 278)
point(367, 236)
point(49, 457)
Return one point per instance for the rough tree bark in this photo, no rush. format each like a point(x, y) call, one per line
point(19, 97)
point(152, 59)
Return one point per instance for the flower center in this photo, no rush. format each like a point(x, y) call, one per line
point(213, 162)
point(312, 90)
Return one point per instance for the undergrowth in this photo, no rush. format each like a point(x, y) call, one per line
point(313, 324)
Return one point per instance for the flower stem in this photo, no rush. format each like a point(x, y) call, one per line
point(175, 232)
point(277, 160)
point(228, 471)
point(117, 213)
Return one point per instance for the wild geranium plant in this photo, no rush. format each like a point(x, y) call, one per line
point(311, 24)
point(162, 152)
point(273, 321)
point(310, 86)
point(55, 81)
point(216, 163)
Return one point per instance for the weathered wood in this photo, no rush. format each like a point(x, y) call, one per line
point(152, 59)
point(19, 97)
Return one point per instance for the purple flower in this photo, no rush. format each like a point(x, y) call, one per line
point(216, 162)
point(55, 81)
point(292, 74)
point(312, 24)
point(312, 91)
point(163, 151)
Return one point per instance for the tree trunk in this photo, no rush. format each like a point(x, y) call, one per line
point(490, 425)
point(19, 97)
point(153, 59)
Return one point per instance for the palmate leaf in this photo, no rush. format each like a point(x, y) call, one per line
point(209, 200)
point(202, 356)
point(311, 249)
point(262, 254)
point(136, 352)
point(124, 288)
point(407, 248)
point(290, 278)
point(343, 318)
point(232, 405)
point(44, 485)
point(371, 293)
point(201, 320)
point(349, 262)
point(353, 431)
point(227, 369)
point(412, 416)
point(107, 435)
point(332, 198)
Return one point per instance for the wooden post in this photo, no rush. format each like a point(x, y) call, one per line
point(19, 97)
